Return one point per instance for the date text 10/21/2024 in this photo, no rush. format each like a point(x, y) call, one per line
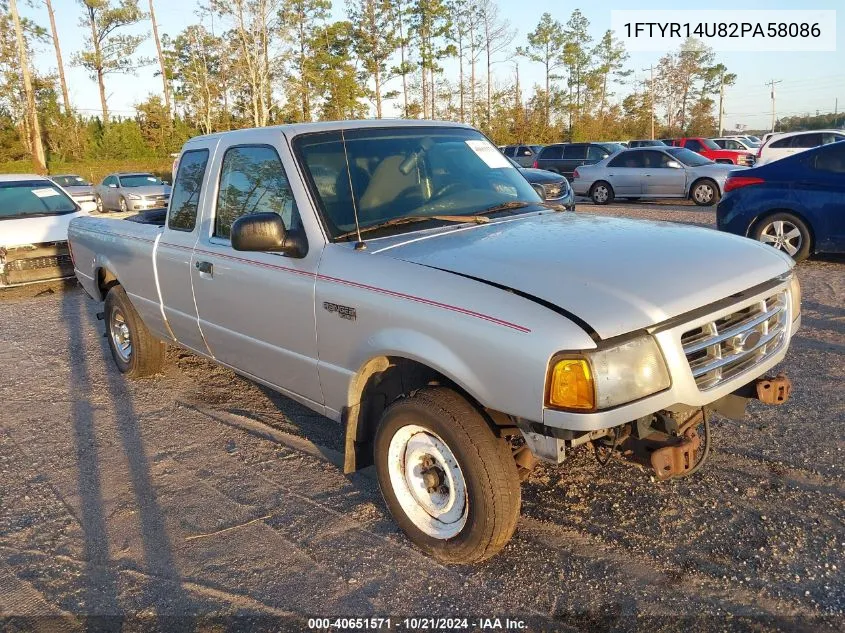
point(417, 624)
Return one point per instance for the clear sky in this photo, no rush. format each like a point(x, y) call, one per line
point(810, 81)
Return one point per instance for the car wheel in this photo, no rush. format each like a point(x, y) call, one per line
point(448, 481)
point(99, 202)
point(123, 207)
point(705, 193)
point(601, 192)
point(785, 232)
point(135, 351)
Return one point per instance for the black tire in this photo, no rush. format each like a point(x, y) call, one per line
point(705, 192)
point(767, 228)
point(123, 206)
point(99, 202)
point(492, 500)
point(145, 354)
point(601, 192)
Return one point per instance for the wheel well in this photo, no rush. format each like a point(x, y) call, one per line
point(753, 226)
point(105, 280)
point(380, 382)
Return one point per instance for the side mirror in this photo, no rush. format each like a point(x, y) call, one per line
point(112, 185)
point(673, 164)
point(264, 232)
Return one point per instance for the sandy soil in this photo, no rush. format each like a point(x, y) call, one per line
point(197, 500)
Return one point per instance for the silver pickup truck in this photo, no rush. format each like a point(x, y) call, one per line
point(402, 278)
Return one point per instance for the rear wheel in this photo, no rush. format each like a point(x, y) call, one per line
point(601, 192)
point(785, 232)
point(135, 351)
point(705, 193)
point(448, 481)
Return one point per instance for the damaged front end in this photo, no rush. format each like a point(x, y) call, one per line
point(671, 443)
point(32, 263)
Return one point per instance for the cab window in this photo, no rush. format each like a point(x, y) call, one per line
point(252, 180)
point(186, 190)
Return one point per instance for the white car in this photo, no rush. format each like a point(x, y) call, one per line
point(739, 143)
point(34, 217)
point(782, 145)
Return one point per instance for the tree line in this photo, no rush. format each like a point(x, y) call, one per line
point(251, 63)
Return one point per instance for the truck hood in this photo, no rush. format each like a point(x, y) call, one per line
point(35, 230)
point(617, 275)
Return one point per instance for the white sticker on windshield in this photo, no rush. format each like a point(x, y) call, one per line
point(489, 154)
point(46, 192)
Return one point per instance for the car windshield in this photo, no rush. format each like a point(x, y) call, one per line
point(139, 180)
point(32, 199)
point(71, 181)
point(536, 148)
point(688, 157)
point(414, 171)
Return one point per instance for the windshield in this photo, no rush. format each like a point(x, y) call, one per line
point(71, 181)
point(139, 180)
point(612, 148)
point(33, 198)
point(688, 157)
point(413, 171)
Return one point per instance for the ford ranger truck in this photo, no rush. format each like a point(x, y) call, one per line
point(404, 280)
point(707, 148)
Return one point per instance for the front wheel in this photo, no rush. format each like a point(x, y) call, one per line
point(99, 202)
point(785, 232)
point(705, 193)
point(123, 207)
point(448, 481)
point(601, 193)
point(135, 351)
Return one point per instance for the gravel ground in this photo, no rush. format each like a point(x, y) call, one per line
point(197, 500)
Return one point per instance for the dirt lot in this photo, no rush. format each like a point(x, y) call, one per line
point(197, 500)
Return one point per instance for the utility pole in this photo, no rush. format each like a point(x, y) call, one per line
point(650, 69)
point(161, 61)
point(771, 84)
point(721, 100)
point(59, 62)
point(31, 111)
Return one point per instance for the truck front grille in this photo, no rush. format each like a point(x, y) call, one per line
point(723, 349)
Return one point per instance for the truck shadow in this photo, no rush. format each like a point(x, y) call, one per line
point(101, 592)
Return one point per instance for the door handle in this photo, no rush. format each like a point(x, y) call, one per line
point(204, 267)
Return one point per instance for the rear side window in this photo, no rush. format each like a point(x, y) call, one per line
point(252, 180)
point(831, 159)
point(553, 152)
point(184, 200)
point(631, 160)
point(575, 152)
point(830, 137)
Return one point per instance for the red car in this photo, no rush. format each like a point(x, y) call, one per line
point(709, 149)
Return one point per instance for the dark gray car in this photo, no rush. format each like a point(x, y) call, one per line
point(137, 191)
point(565, 158)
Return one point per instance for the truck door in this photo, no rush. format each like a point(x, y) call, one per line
point(173, 252)
point(256, 310)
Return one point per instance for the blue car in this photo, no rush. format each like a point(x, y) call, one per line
point(795, 204)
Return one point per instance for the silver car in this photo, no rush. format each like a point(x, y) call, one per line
point(653, 172)
point(79, 189)
point(124, 192)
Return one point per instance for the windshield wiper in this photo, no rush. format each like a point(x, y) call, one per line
point(505, 206)
point(409, 219)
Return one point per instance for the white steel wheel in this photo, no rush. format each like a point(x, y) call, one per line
point(119, 332)
point(427, 481)
point(448, 481)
